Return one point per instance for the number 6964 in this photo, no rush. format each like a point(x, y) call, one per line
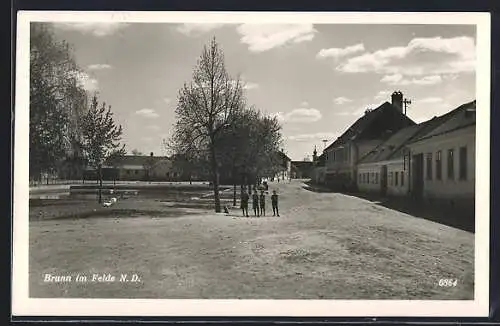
point(448, 282)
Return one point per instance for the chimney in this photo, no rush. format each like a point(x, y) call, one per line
point(397, 100)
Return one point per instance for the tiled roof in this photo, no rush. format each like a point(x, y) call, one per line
point(373, 124)
point(140, 160)
point(388, 148)
point(463, 116)
point(393, 146)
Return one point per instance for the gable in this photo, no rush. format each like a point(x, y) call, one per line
point(376, 124)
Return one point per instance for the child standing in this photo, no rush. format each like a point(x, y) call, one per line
point(274, 202)
point(255, 203)
point(262, 203)
point(244, 202)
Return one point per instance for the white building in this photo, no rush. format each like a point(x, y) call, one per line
point(368, 132)
point(443, 160)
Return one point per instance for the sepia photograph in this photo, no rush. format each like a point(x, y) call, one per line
point(223, 160)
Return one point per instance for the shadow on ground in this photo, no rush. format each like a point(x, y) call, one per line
point(439, 212)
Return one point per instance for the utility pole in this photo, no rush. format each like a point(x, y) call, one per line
point(406, 102)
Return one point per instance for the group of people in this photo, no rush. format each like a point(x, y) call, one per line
point(258, 203)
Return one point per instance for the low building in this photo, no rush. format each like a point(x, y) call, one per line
point(433, 160)
point(138, 168)
point(319, 169)
point(302, 169)
point(385, 169)
point(369, 131)
point(443, 160)
point(284, 166)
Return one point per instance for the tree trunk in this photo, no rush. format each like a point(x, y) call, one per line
point(100, 184)
point(215, 180)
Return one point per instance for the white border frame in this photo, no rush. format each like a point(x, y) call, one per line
point(22, 305)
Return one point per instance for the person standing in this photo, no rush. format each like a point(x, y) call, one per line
point(262, 202)
point(274, 202)
point(255, 203)
point(244, 202)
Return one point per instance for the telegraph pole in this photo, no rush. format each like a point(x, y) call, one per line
point(406, 102)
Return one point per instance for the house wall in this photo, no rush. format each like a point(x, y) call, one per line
point(449, 188)
point(131, 173)
point(397, 178)
point(369, 176)
point(342, 166)
point(318, 174)
point(165, 171)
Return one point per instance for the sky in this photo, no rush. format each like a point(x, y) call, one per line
point(316, 78)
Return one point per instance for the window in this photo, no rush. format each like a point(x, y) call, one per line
point(439, 167)
point(359, 177)
point(136, 171)
point(372, 177)
point(402, 178)
point(462, 159)
point(376, 178)
point(396, 174)
point(451, 165)
point(167, 174)
point(390, 178)
point(128, 171)
point(429, 166)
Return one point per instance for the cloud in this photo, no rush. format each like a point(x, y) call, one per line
point(300, 115)
point(167, 100)
point(84, 80)
point(341, 100)
point(99, 66)
point(97, 29)
point(196, 29)
point(431, 100)
point(313, 137)
point(146, 138)
point(264, 37)
point(337, 53)
point(383, 95)
point(420, 56)
point(147, 113)
point(398, 79)
point(359, 111)
point(251, 85)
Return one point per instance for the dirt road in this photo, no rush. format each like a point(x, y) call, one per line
point(324, 245)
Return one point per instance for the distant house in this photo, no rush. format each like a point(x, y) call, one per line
point(443, 159)
point(138, 168)
point(318, 168)
point(369, 131)
point(284, 166)
point(302, 169)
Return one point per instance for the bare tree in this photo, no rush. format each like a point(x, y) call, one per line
point(206, 106)
point(101, 138)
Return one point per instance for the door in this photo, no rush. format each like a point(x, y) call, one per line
point(383, 180)
point(418, 175)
